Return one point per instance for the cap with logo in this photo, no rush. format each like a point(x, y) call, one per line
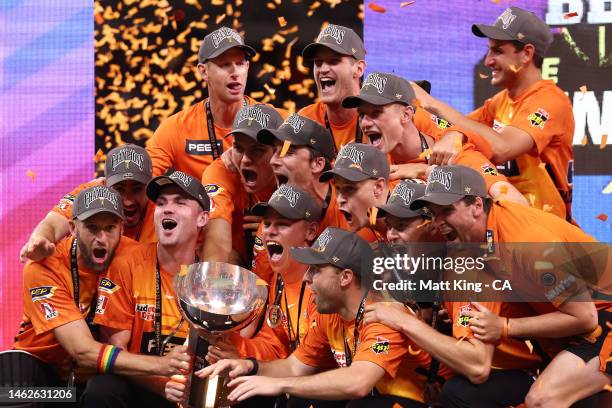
point(400, 199)
point(337, 38)
point(357, 162)
point(290, 202)
point(338, 247)
point(448, 184)
point(128, 162)
point(382, 88)
point(516, 24)
point(192, 187)
point(221, 40)
point(252, 118)
point(96, 200)
point(300, 131)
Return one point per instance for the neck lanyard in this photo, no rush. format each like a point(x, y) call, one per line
point(294, 338)
point(358, 318)
point(358, 133)
point(210, 124)
point(159, 344)
point(74, 270)
point(327, 201)
point(424, 145)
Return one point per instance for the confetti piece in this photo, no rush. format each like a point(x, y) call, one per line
point(282, 22)
point(547, 208)
point(531, 198)
point(257, 95)
point(424, 223)
point(607, 189)
point(609, 325)
point(503, 189)
point(583, 89)
point(285, 149)
point(373, 214)
point(602, 217)
point(220, 18)
point(529, 346)
point(425, 154)
point(584, 140)
point(412, 352)
point(608, 387)
point(604, 142)
point(567, 16)
point(460, 340)
point(520, 36)
point(406, 3)
point(396, 405)
point(513, 68)
point(483, 76)
point(376, 8)
point(31, 174)
point(98, 156)
point(270, 90)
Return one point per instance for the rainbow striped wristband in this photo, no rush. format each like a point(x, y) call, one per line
point(106, 358)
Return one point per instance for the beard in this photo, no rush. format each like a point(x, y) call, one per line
point(86, 256)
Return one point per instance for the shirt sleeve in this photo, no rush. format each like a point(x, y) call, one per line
point(48, 300)
point(115, 306)
point(474, 159)
point(221, 186)
point(64, 206)
point(161, 146)
point(382, 346)
point(268, 344)
point(314, 350)
point(458, 315)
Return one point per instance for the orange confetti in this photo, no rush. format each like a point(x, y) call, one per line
point(396, 405)
point(567, 16)
point(424, 223)
point(584, 140)
point(406, 3)
point(483, 76)
point(529, 346)
point(270, 90)
point(609, 325)
point(602, 217)
point(412, 352)
point(547, 208)
point(375, 7)
point(425, 154)
point(583, 89)
point(285, 149)
point(503, 189)
point(373, 214)
point(604, 142)
point(220, 18)
point(514, 69)
point(98, 156)
point(282, 22)
point(31, 174)
point(608, 387)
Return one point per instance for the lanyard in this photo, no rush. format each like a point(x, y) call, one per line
point(327, 201)
point(74, 270)
point(294, 338)
point(358, 318)
point(210, 124)
point(424, 145)
point(358, 133)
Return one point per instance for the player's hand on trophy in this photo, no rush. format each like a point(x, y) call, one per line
point(247, 387)
point(232, 368)
point(177, 361)
point(175, 388)
point(221, 348)
point(36, 248)
point(445, 151)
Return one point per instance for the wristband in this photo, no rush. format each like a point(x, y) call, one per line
point(106, 358)
point(255, 366)
point(506, 328)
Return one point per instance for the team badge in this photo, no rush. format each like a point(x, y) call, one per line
point(464, 319)
point(42, 292)
point(108, 286)
point(213, 189)
point(274, 316)
point(488, 168)
point(381, 346)
point(101, 304)
point(440, 123)
point(49, 310)
point(538, 118)
point(258, 244)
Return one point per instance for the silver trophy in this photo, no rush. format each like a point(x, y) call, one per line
point(215, 298)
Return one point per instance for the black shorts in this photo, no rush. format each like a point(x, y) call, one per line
point(598, 344)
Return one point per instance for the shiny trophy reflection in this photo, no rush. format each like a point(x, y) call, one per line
point(216, 298)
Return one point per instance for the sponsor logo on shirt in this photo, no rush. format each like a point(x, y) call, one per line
point(42, 292)
point(146, 311)
point(108, 286)
point(49, 310)
point(464, 319)
point(213, 189)
point(101, 304)
point(258, 244)
point(340, 357)
point(200, 147)
point(488, 168)
point(381, 346)
point(538, 118)
point(440, 123)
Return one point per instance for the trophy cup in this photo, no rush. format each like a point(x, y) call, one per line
point(215, 298)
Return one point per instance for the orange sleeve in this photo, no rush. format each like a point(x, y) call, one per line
point(64, 206)
point(221, 186)
point(486, 116)
point(382, 346)
point(430, 124)
point(47, 300)
point(266, 345)
point(115, 306)
point(314, 350)
point(474, 159)
point(542, 118)
point(457, 312)
point(161, 146)
point(261, 263)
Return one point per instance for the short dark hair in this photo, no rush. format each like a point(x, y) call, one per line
point(487, 203)
point(538, 60)
point(315, 154)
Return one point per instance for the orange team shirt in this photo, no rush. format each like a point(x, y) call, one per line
point(543, 175)
point(377, 343)
point(230, 201)
point(48, 300)
point(509, 353)
point(332, 218)
point(144, 232)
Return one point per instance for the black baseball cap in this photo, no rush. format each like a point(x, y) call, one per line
point(300, 131)
point(337, 38)
point(221, 40)
point(357, 162)
point(290, 202)
point(448, 184)
point(252, 118)
point(400, 199)
point(128, 162)
point(382, 88)
point(184, 181)
point(338, 247)
point(516, 24)
point(96, 200)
